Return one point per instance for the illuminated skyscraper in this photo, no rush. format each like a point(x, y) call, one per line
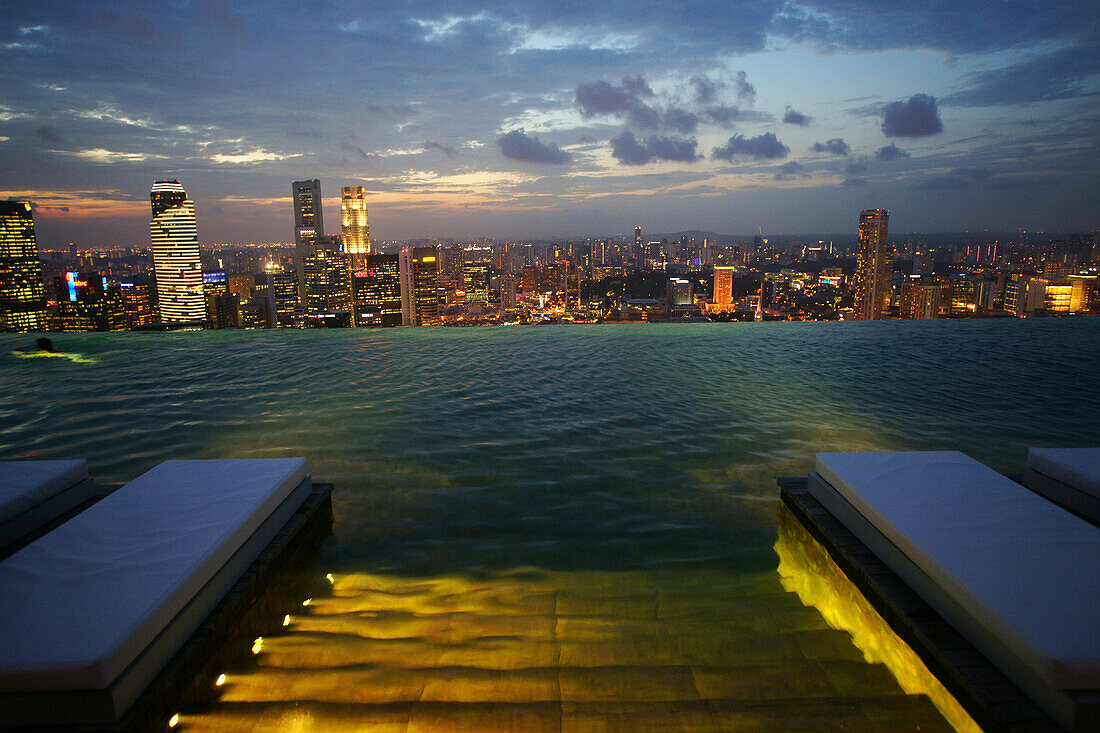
point(327, 285)
point(638, 255)
point(723, 287)
point(86, 303)
point(309, 224)
point(419, 268)
point(378, 292)
point(356, 227)
point(874, 266)
point(22, 295)
point(175, 238)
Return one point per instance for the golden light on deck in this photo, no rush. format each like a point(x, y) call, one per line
point(286, 620)
point(331, 580)
point(307, 601)
point(174, 721)
point(258, 645)
point(220, 681)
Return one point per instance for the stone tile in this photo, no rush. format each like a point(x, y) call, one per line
point(334, 685)
point(432, 717)
point(860, 678)
point(904, 713)
point(676, 717)
point(627, 684)
point(828, 645)
point(332, 650)
point(467, 685)
point(809, 716)
point(762, 683)
point(499, 654)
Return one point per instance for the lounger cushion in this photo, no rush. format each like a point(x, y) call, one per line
point(1023, 567)
point(79, 604)
point(1076, 467)
point(26, 484)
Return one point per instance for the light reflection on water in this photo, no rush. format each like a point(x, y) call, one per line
point(617, 451)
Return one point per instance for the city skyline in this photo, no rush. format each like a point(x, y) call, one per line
point(463, 120)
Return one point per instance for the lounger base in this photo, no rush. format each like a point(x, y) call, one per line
point(22, 528)
point(1079, 502)
point(990, 698)
point(239, 602)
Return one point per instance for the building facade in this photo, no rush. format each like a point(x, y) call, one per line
point(86, 303)
point(176, 264)
point(309, 223)
point(377, 287)
point(22, 294)
point(874, 266)
point(355, 226)
point(419, 268)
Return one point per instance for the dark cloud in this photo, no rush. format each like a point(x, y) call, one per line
point(916, 117)
point(48, 133)
point(637, 87)
point(628, 150)
point(853, 182)
point(791, 169)
point(681, 120)
point(706, 90)
point(724, 116)
point(1058, 75)
point(834, 145)
point(746, 92)
point(855, 168)
point(891, 152)
point(959, 179)
point(392, 112)
point(761, 146)
point(518, 145)
point(350, 148)
point(447, 150)
point(794, 117)
point(598, 98)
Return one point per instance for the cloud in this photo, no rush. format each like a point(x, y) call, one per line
point(48, 133)
point(680, 120)
point(447, 150)
point(791, 169)
point(834, 145)
point(600, 98)
point(855, 168)
point(762, 146)
point(794, 117)
point(746, 92)
point(957, 180)
point(706, 90)
point(349, 148)
point(517, 145)
point(853, 182)
point(916, 117)
point(628, 150)
point(258, 155)
point(889, 153)
point(1058, 75)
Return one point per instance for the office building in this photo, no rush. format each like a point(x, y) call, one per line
point(327, 286)
point(638, 255)
point(222, 306)
point(874, 266)
point(678, 292)
point(475, 281)
point(86, 303)
point(22, 294)
point(355, 226)
point(139, 306)
point(176, 264)
point(419, 268)
point(309, 223)
point(377, 290)
point(722, 297)
point(925, 299)
point(283, 310)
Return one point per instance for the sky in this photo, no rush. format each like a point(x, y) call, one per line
point(535, 120)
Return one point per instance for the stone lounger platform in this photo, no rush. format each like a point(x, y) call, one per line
point(1009, 570)
point(91, 612)
point(35, 493)
point(1068, 476)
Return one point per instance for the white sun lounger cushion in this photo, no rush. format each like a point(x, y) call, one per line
point(26, 484)
point(79, 604)
point(1025, 568)
point(1076, 467)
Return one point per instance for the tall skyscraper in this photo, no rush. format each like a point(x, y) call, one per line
point(723, 287)
point(355, 225)
point(874, 266)
point(176, 263)
point(22, 295)
point(638, 255)
point(419, 268)
point(378, 292)
point(327, 285)
point(309, 225)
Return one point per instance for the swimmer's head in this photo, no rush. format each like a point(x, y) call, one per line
point(44, 344)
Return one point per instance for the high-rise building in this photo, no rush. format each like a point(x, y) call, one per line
point(874, 266)
point(139, 308)
point(638, 255)
point(723, 287)
point(309, 224)
point(327, 286)
point(355, 225)
point(22, 294)
point(283, 310)
point(176, 263)
point(419, 267)
point(678, 292)
point(86, 303)
point(377, 288)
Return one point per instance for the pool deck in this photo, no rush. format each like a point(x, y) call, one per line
point(994, 702)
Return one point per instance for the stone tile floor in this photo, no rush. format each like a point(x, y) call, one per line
point(685, 650)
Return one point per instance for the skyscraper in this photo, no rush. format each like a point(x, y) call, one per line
point(419, 268)
point(874, 266)
point(723, 287)
point(309, 225)
point(176, 263)
point(378, 292)
point(355, 225)
point(22, 295)
point(327, 285)
point(638, 255)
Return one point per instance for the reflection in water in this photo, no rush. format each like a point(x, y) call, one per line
point(529, 649)
point(806, 569)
